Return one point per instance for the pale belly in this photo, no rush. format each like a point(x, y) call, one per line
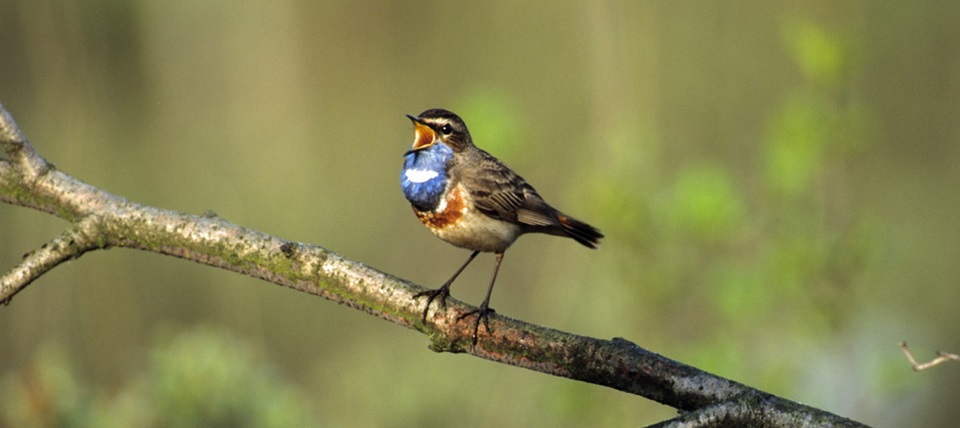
point(476, 231)
point(459, 223)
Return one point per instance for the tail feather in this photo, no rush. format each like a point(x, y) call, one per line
point(583, 233)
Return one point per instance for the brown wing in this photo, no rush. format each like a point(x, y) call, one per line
point(500, 193)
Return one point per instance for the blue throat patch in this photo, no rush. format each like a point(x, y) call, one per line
point(424, 176)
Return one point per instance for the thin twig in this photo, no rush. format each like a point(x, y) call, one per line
point(70, 244)
point(942, 357)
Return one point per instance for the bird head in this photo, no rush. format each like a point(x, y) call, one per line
point(439, 126)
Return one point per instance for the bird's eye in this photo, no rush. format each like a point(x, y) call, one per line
point(446, 129)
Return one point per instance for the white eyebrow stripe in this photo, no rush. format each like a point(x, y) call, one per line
point(420, 175)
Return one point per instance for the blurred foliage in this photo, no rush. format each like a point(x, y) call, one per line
point(738, 251)
point(502, 124)
point(204, 377)
point(777, 184)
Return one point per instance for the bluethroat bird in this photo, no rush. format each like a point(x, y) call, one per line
point(470, 199)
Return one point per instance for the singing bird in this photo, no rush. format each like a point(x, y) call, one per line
point(472, 200)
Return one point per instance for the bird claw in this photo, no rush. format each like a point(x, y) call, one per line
point(443, 292)
point(482, 313)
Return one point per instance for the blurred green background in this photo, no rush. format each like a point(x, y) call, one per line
point(778, 183)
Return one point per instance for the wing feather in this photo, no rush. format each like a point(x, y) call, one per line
point(500, 193)
point(494, 188)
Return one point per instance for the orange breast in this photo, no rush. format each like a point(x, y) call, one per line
point(450, 214)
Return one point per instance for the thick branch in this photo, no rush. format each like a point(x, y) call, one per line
point(104, 220)
point(17, 149)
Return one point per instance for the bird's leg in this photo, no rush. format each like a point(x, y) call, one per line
point(444, 289)
point(484, 311)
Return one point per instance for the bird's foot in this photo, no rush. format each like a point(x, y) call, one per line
point(443, 292)
point(482, 313)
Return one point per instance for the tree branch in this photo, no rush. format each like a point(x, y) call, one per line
point(70, 244)
point(102, 220)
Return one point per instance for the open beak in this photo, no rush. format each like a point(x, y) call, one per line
point(425, 136)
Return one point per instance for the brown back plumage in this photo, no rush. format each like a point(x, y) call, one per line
point(500, 193)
